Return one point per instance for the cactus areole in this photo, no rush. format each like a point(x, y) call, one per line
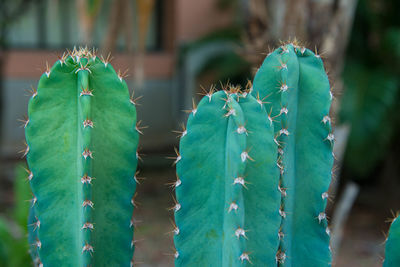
point(254, 168)
point(81, 150)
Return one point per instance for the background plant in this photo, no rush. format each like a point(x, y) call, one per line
point(14, 245)
point(371, 99)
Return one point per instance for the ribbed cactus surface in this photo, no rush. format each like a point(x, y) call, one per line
point(392, 255)
point(293, 82)
point(227, 209)
point(81, 150)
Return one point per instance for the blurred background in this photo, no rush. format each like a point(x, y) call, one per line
point(173, 48)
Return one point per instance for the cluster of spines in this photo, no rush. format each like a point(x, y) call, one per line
point(83, 58)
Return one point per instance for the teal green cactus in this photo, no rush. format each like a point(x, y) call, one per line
point(82, 139)
point(254, 170)
point(392, 256)
point(227, 209)
point(293, 81)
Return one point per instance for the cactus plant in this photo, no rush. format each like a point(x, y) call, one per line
point(227, 188)
point(293, 80)
point(392, 257)
point(270, 211)
point(81, 151)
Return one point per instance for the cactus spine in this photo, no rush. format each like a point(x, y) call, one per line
point(81, 150)
point(228, 202)
point(392, 257)
point(296, 85)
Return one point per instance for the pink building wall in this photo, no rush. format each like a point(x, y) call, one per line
point(195, 18)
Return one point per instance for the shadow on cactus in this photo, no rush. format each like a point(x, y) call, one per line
point(254, 168)
point(81, 151)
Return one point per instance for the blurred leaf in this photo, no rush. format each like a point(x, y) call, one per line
point(94, 6)
point(5, 239)
point(227, 34)
point(225, 4)
point(13, 245)
point(22, 193)
point(13, 226)
point(392, 43)
point(228, 67)
point(369, 105)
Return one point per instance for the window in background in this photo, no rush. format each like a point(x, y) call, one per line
point(54, 24)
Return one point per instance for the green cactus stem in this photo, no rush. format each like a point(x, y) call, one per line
point(227, 209)
point(293, 81)
point(81, 150)
point(392, 256)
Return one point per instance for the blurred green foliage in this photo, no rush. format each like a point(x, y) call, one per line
point(369, 104)
point(14, 245)
point(229, 66)
point(371, 100)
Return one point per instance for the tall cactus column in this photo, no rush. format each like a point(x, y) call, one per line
point(392, 257)
point(81, 150)
point(227, 210)
point(297, 89)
